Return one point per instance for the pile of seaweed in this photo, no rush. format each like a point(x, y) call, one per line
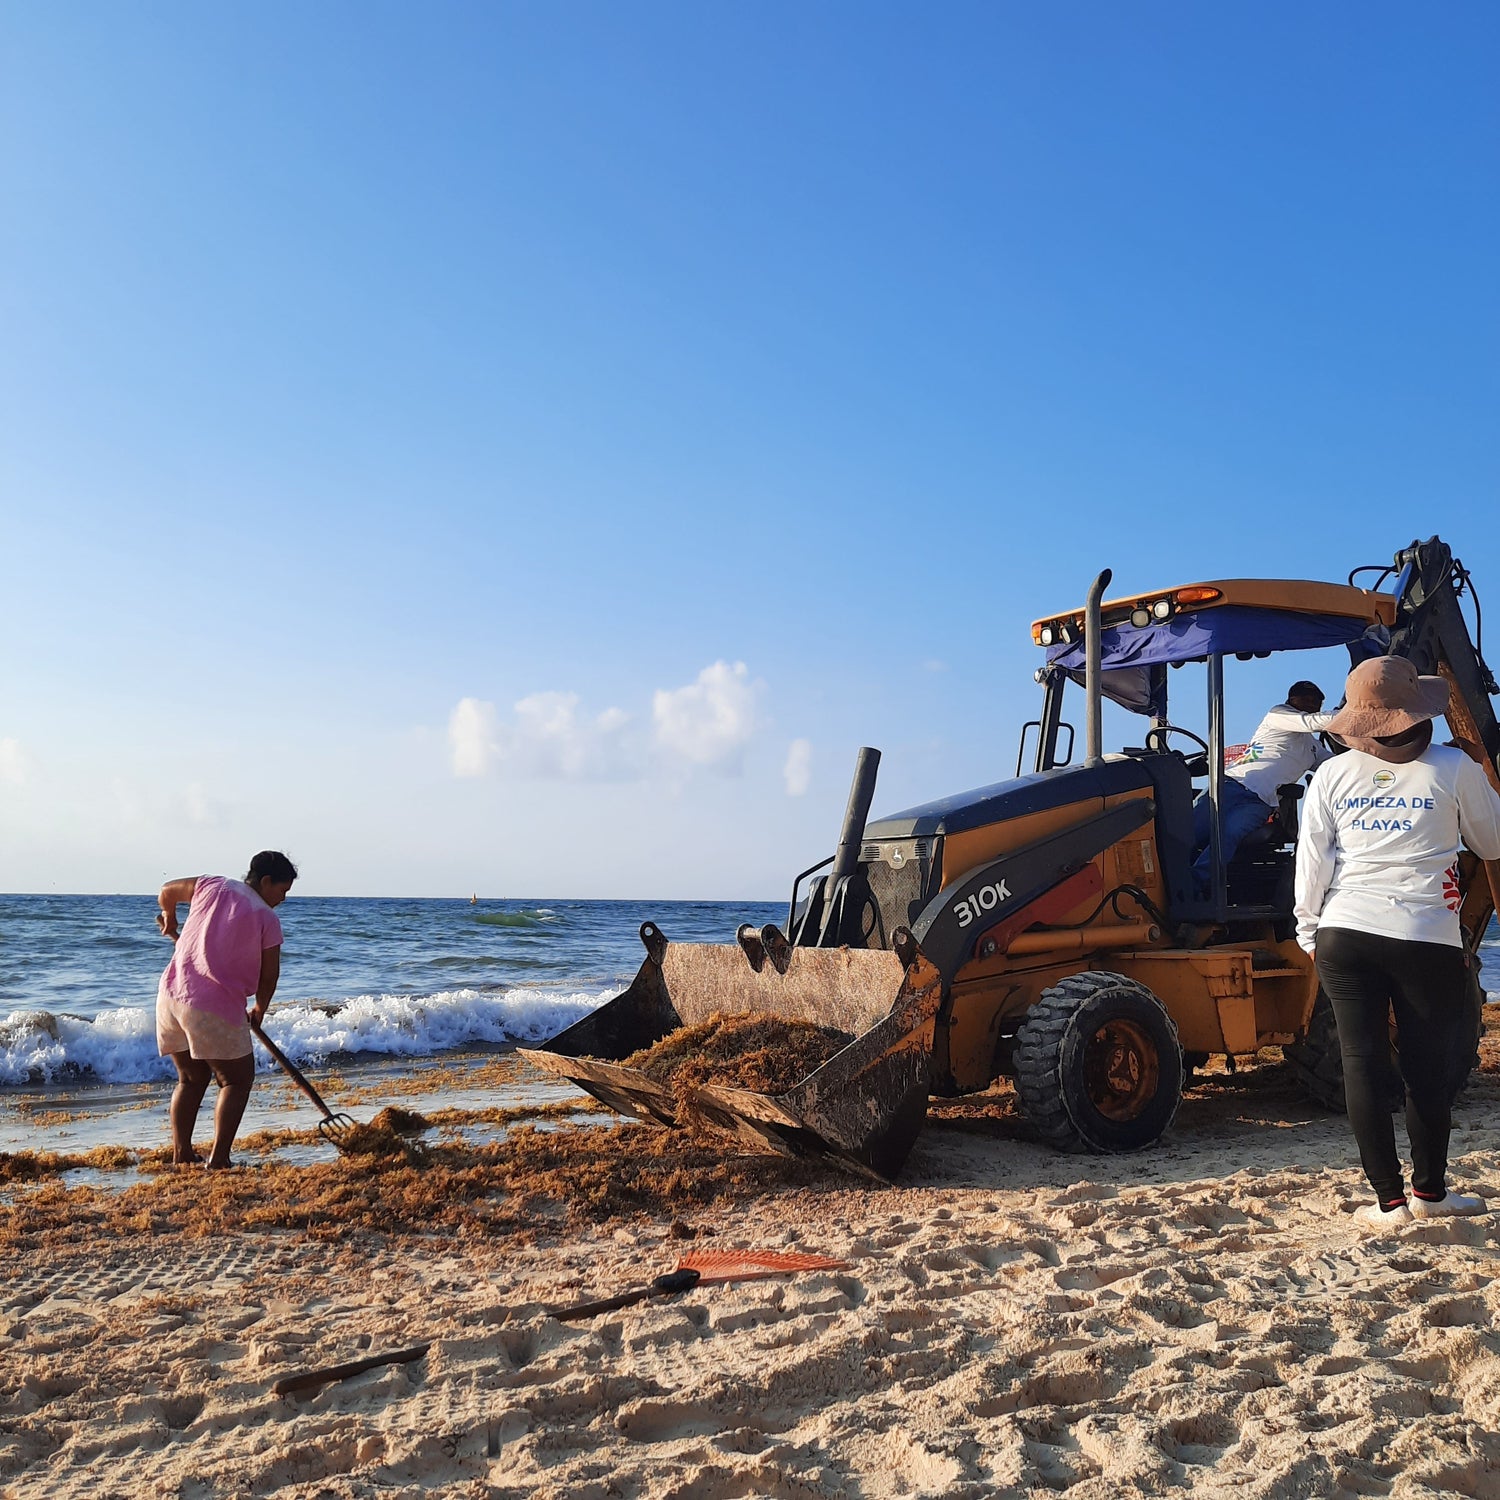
point(33, 1166)
point(536, 1182)
point(768, 1054)
point(392, 1133)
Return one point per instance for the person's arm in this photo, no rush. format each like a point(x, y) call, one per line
point(1289, 719)
point(270, 973)
point(1315, 863)
point(171, 896)
point(1478, 810)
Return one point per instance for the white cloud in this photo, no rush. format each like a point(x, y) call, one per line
point(710, 721)
point(798, 768)
point(553, 741)
point(549, 740)
point(472, 729)
point(549, 736)
point(13, 763)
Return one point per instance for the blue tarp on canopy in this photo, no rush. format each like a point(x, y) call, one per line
point(1231, 629)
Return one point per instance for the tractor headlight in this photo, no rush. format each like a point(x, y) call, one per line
point(1162, 609)
point(1047, 636)
point(1140, 616)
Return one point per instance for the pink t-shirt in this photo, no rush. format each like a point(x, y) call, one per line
point(216, 963)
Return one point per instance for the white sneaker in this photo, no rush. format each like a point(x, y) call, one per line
point(1373, 1216)
point(1452, 1204)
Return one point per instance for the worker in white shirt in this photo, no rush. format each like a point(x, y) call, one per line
point(1284, 748)
point(1377, 907)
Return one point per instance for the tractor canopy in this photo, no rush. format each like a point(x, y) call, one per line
point(1244, 617)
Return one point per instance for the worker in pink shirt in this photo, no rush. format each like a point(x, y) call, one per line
point(228, 950)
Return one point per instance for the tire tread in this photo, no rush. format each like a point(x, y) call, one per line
point(1036, 1060)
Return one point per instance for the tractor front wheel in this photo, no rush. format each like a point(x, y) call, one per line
point(1097, 1064)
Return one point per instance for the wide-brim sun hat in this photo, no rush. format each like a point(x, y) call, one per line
point(1385, 696)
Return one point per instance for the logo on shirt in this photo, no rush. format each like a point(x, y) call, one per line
point(1383, 779)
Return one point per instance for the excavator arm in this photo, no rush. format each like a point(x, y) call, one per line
point(1431, 632)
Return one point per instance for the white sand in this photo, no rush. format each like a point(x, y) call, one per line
point(1199, 1319)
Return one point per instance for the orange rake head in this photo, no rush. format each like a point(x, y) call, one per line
point(754, 1265)
point(699, 1268)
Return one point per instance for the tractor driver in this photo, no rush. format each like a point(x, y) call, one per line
point(1284, 748)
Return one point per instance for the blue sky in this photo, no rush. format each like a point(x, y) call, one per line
point(728, 386)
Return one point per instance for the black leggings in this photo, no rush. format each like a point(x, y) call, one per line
point(1426, 984)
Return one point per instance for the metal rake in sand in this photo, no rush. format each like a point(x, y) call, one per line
point(336, 1129)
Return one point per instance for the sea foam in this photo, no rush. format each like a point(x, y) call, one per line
point(119, 1045)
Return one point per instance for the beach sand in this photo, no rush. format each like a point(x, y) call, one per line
point(1202, 1318)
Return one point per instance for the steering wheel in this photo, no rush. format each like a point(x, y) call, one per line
point(1156, 738)
point(1197, 764)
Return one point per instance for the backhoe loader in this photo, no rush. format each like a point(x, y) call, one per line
point(1048, 928)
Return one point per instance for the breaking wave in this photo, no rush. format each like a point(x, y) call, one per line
point(119, 1045)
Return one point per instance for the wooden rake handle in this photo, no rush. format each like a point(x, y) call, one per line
point(664, 1286)
point(293, 1072)
point(329, 1373)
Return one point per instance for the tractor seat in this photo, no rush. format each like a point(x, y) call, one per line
point(1280, 828)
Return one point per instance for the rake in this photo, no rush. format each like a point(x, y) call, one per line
point(335, 1129)
point(700, 1268)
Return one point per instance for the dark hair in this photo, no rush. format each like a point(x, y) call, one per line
point(271, 865)
point(1304, 689)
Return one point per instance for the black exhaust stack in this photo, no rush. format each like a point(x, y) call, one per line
point(831, 892)
point(1093, 687)
point(857, 814)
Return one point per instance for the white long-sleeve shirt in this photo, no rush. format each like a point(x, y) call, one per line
point(1283, 750)
point(1378, 847)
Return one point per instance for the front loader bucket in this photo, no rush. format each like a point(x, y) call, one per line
point(862, 1107)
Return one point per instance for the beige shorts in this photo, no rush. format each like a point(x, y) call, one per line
point(203, 1034)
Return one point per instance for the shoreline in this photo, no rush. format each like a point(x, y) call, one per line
point(1201, 1318)
point(1198, 1318)
point(70, 1117)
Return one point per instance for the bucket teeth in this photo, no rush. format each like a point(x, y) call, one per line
point(755, 950)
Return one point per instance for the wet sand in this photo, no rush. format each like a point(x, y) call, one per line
point(1199, 1318)
point(73, 1118)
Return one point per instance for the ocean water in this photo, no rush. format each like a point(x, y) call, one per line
point(362, 979)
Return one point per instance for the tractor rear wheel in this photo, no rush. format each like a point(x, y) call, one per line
point(1318, 1061)
point(1097, 1064)
point(1474, 1024)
